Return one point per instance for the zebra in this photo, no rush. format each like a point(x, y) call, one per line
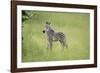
point(54, 36)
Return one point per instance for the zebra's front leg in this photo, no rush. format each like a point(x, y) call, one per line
point(50, 45)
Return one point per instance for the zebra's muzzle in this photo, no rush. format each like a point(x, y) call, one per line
point(43, 31)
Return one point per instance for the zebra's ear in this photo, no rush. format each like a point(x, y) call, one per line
point(48, 23)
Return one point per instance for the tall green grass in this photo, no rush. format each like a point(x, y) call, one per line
point(74, 25)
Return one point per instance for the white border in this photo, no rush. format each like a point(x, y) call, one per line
point(53, 63)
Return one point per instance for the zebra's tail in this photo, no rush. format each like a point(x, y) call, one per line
point(66, 43)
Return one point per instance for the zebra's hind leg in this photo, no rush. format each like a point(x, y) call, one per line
point(66, 45)
point(63, 43)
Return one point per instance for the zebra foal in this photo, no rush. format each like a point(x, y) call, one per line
point(54, 36)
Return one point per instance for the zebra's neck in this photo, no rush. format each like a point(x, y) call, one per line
point(50, 32)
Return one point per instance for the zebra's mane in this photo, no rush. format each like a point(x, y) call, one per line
point(51, 29)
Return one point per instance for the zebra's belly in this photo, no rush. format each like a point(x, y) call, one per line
point(55, 39)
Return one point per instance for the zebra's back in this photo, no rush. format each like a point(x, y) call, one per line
point(59, 36)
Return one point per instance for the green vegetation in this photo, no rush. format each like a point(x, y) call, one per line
point(74, 25)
